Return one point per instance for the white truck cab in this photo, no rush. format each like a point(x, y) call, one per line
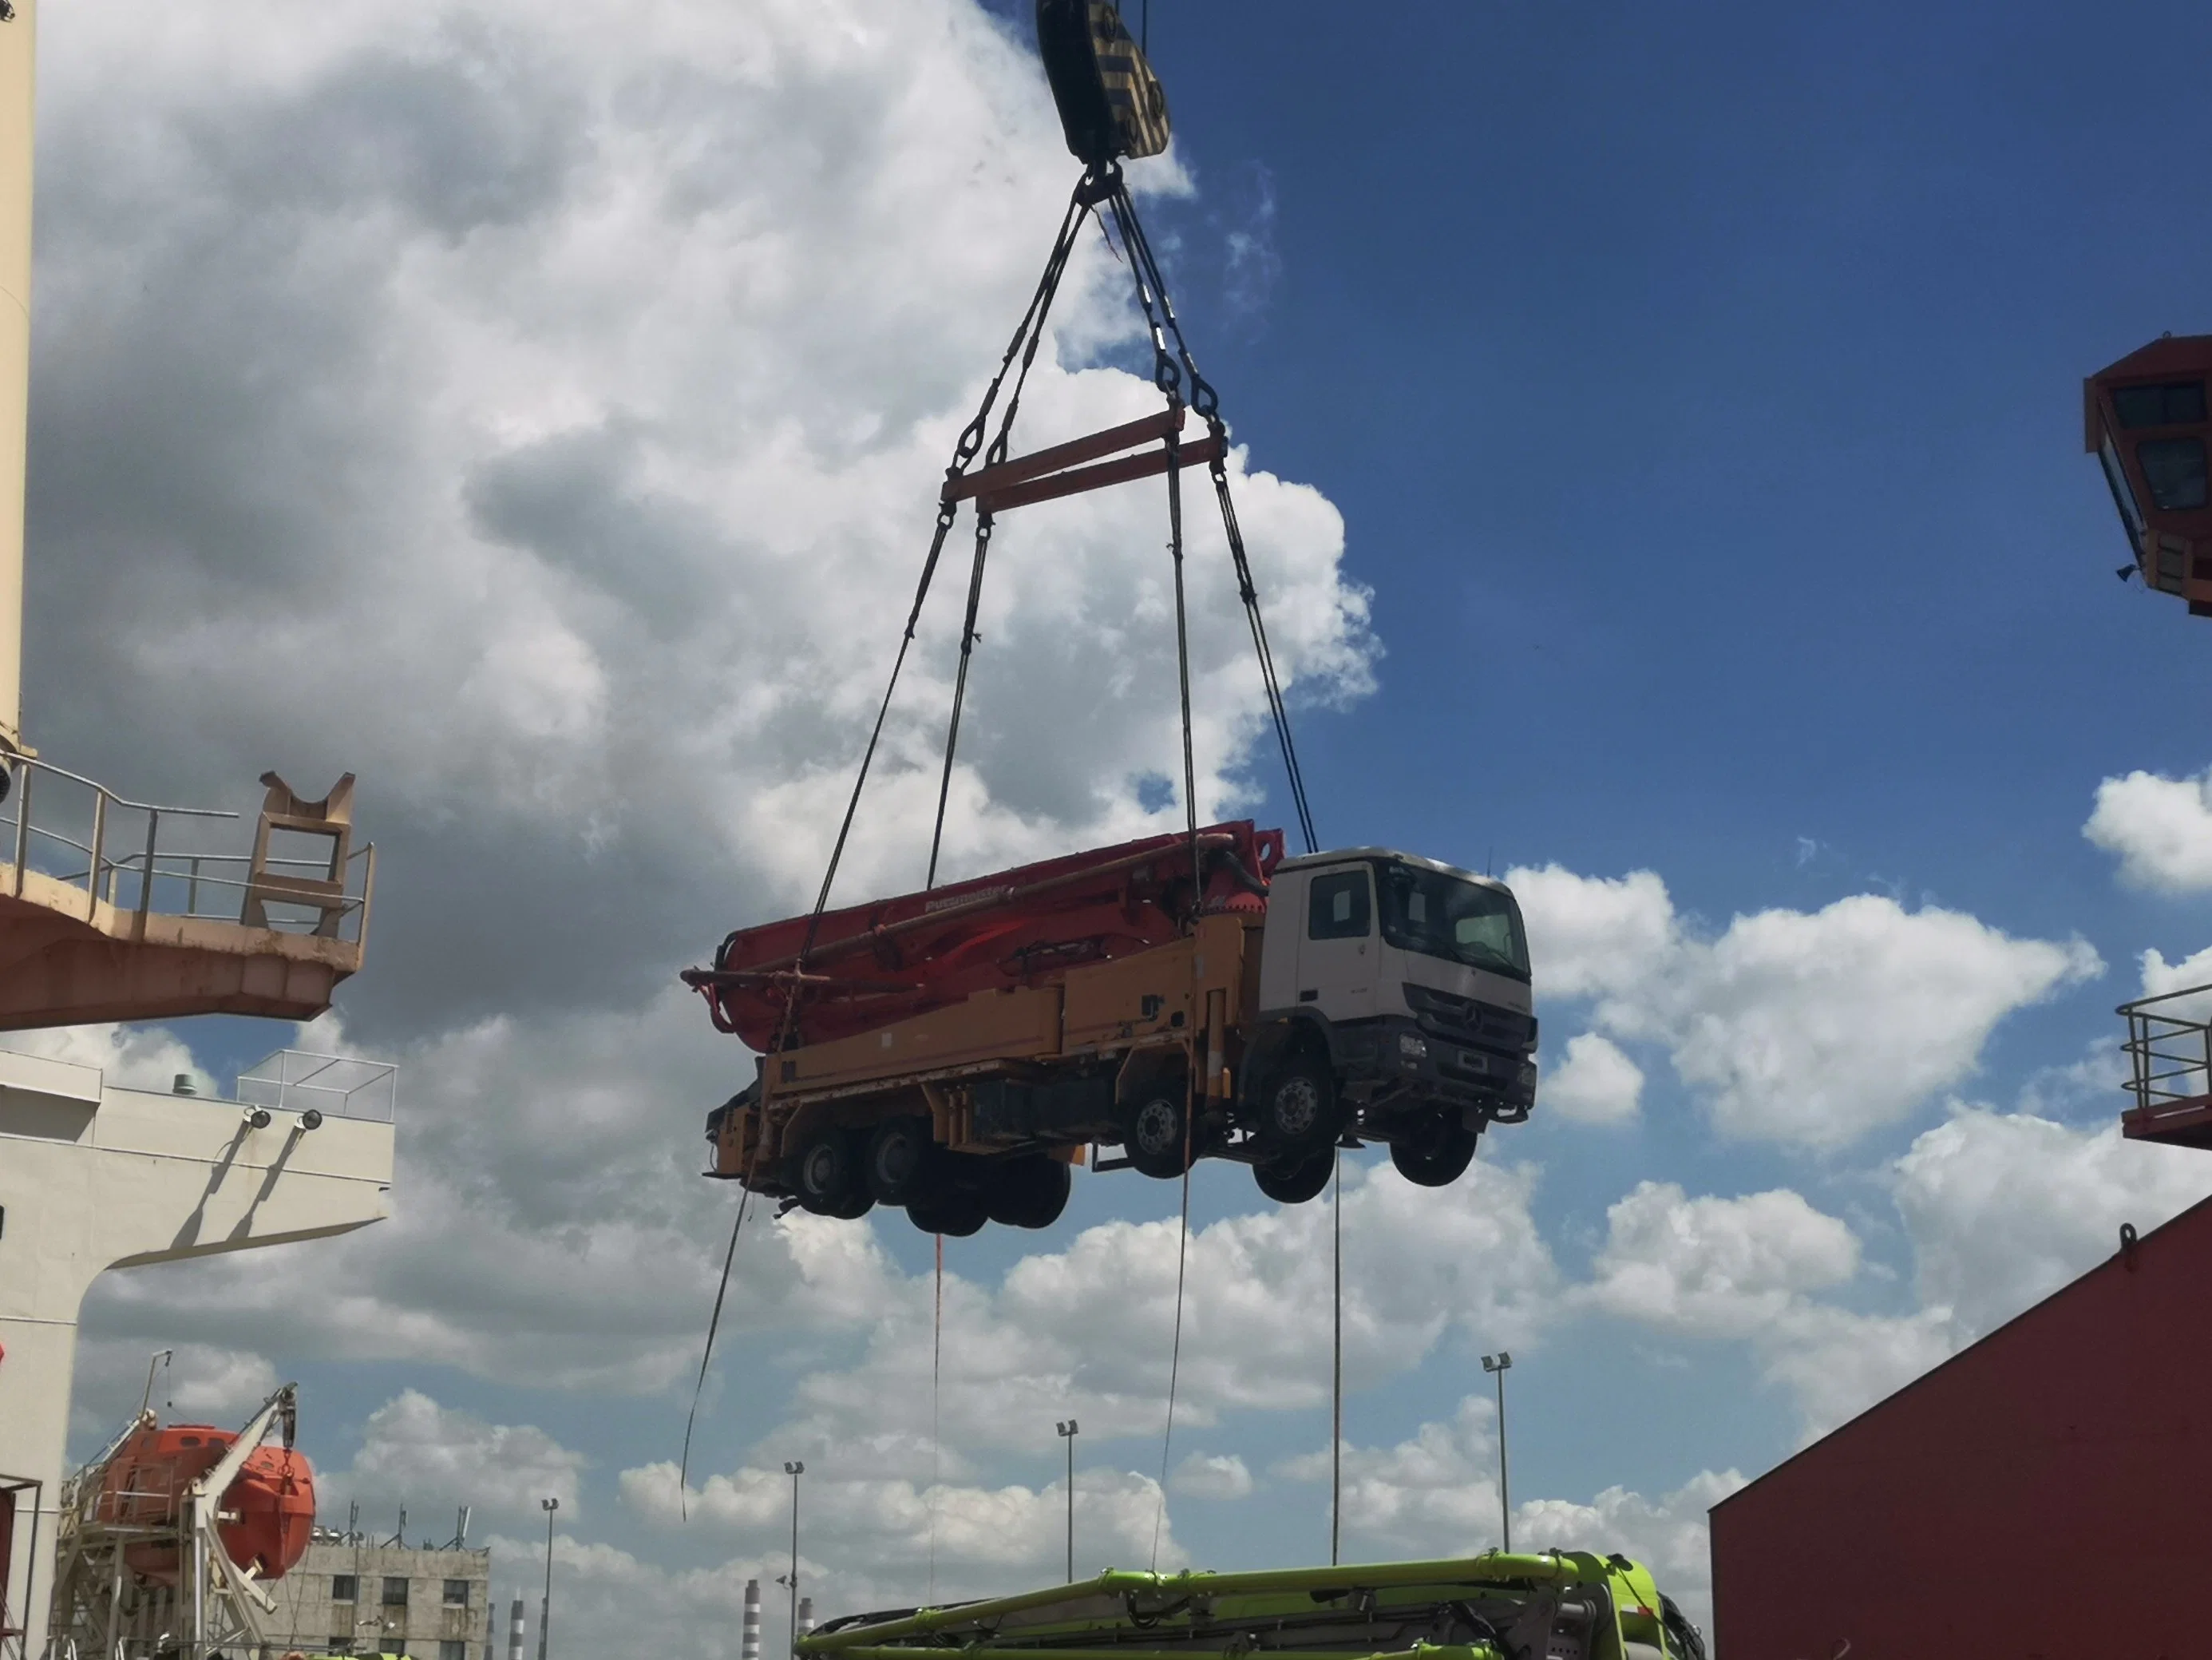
point(1412, 978)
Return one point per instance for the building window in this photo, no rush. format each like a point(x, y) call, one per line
point(395, 1593)
point(457, 1594)
point(453, 1652)
point(341, 1642)
point(344, 1587)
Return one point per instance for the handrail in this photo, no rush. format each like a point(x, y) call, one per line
point(19, 760)
point(40, 848)
point(2169, 1054)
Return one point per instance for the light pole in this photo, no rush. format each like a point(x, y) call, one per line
point(546, 1607)
point(794, 1468)
point(1499, 1365)
point(1068, 1434)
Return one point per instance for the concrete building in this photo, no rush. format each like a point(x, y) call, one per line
point(2041, 1493)
point(350, 1596)
point(93, 1177)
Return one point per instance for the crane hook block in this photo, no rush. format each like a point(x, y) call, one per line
point(1110, 102)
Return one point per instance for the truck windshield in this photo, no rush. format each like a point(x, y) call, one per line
point(1440, 916)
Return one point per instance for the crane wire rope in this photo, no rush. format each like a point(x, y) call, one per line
point(1174, 1351)
point(936, 1446)
point(1205, 403)
point(1336, 1361)
point(714, 1324)
point(1191, 1094)
point(970, 441)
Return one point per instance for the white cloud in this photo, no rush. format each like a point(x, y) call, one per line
point(894, 1531)
point(128, 1057)
point(414, 1451)
point(557, 402)
point(1594, 936)
point(2160, 976)
point(198, 1382)
point(2001, 1209)
point(2004, 1208)
point(1809, 1028)
point(1435, 1494)
point(1596, 1084)
point(1087, 1328)
point(1668, 1535)
point(1716, 1268)
point(1432, 1494)
point(1212, 1475)
point(2160, 827)
point(1817, 1027)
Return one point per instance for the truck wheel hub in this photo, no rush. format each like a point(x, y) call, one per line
point(1297, 1107)
point(1157, 1127)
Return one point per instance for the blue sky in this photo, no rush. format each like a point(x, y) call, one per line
point(1698, 389)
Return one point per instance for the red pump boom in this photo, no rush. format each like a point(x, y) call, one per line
point(884, 961)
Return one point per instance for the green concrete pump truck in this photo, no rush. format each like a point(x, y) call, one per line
point(1557, 1605)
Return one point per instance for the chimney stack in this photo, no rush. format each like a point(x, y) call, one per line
point(806, 1615)
point(749, 1647)
point(514, 1620)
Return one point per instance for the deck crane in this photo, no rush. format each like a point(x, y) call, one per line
point(1196, 994)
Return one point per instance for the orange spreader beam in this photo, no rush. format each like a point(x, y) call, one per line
point(1050, 473)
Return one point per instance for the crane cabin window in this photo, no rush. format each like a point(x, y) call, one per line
point(2174, 468)
point(2173, 404)
point(2123, 492)
point(1337, 907)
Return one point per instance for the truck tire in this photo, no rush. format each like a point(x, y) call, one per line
point(897, 1159)
point(1155, 1133)
point(1295, 1184)
point(825, 1174)
point(1029, 1192)
point(1434, 1153)
point(1298, 1112)
point(956, 1214)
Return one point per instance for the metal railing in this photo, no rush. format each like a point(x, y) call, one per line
point(74, 835)
point(335, 1085)
point(2169, 1047)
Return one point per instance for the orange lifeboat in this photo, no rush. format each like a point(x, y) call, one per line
point(270, 1502)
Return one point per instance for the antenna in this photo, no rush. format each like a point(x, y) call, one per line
point(161, 1357)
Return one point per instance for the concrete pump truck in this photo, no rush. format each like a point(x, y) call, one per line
point(955, 1051)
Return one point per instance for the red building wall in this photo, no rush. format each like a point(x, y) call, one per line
point(2045, 1495)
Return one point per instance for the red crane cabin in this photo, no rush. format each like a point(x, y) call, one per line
point(2145, 419)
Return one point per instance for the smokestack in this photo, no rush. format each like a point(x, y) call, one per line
point(749, 1647)
point(515, 1621)
point(806, 1615)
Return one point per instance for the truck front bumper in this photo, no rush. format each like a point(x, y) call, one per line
point(1392, 1054)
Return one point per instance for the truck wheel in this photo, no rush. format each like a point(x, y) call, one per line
point(896, 1162)
point(1156, 1131)
point(859, 1201)
point(824, 1174)
point(1298, 1112)
point(1298, 1183)
point(1028, 1192)
point(959, 1214)
point(1435, 1152)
